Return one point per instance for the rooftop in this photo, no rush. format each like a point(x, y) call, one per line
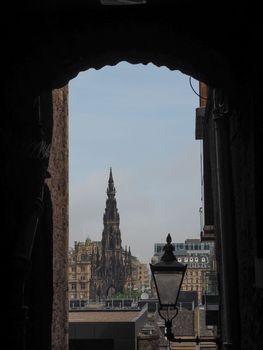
point(96, 329)
point(192, 240)
point(103, 316)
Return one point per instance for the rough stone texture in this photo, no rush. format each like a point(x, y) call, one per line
point(242, 129)
point(150, 335)
point(58, 184)
point(148, 342)
point(184, 323)
point(247, 156)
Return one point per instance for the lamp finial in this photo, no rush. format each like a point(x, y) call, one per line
point(168, 250)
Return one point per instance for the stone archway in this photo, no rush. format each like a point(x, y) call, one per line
point(57, 50)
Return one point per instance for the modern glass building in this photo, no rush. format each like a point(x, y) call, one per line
point(190, 246)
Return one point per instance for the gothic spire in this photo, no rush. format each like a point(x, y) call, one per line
point(111, 212)
point(111, 191)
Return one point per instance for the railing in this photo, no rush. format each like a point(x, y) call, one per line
point(81, 304)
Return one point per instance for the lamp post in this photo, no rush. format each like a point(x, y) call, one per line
point(168, 275)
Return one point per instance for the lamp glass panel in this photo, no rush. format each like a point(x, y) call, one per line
point(168, 284)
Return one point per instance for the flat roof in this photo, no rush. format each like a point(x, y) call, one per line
point(104, 316)
point(92, 326)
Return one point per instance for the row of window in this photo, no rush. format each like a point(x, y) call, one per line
point(80, 269)
point(190, 280)
point(81, 278)
point(191, 288)
point(184, 246)
point(191, 259)
point(83, 285)
point(76, 296)
point(193, 273)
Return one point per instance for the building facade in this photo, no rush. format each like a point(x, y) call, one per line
point(200, 260)
point(144, 277)
point(80, 260)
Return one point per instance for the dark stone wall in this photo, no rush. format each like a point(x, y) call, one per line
point(240, 168)
point(39, 288)
point(39, 291)
point(245, 131)
point(26, 218)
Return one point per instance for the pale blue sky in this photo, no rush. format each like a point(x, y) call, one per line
point(139, 120)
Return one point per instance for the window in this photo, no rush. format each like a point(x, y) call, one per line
point(159, 248)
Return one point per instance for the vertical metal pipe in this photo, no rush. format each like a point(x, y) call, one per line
point(226, 226)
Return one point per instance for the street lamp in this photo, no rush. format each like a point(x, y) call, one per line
point(168, 276)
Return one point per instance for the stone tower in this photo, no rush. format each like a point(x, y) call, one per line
point(111, 271)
